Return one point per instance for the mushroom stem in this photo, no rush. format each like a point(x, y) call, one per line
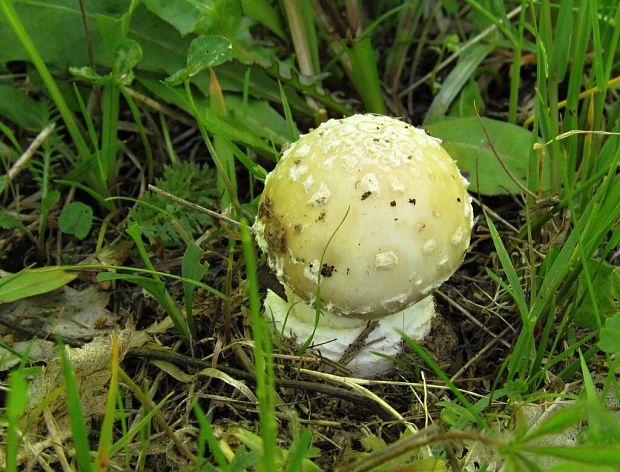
point(350, 341)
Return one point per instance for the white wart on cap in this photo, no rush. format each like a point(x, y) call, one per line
point(408, 223)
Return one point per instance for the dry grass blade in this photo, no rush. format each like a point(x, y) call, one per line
point(196, 207)
point(24, 159)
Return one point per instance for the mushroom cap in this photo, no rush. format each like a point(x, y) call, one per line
point(390, 198)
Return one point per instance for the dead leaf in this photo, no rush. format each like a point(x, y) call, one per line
point(77, 314)
point(36, 350)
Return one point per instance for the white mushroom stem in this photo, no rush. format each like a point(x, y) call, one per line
point(335, 334)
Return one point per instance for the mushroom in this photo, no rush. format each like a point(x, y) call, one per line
point(376, 214)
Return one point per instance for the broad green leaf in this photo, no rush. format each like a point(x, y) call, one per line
point(214, 17)
point(466, 142)
point(163, 47)
point(177, 77)
point(259, 117)
point(21, 109)
point(263, 12)
point(127, 55)
point(56, 29)
point(204, 52)
point(610, 335)
point(606, 287)
point(76, 219)
point(87, 74)
point(31, 282)
point(183, 15)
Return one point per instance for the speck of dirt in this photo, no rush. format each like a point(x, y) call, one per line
point(265, 208)
point(275, 234)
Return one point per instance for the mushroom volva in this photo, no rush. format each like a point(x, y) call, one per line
point(376, 212)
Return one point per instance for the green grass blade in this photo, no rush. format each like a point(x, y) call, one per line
point(146, 144)
point(515, 79)
point(139, 426)
point(363, 63)
point(123, 417)
point(292, 128)
point(298, 451)
point(157, 287)
point(16, 401)
point(206, 433)
point(76, 415)
point(525, 340)
point(456, 79)
point(109, 140)
point(496, 18)
point(563, 36)
point(579, 53)
point(192, 269)
point(319, 276)
point(516, 290)
point(429, 361)
point(406, 30)
point(265, 387)
point(107, 428)
point(300, 19)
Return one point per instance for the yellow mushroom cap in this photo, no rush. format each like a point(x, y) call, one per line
point(402, 205)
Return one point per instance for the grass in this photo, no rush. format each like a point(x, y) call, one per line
point(191, 377)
